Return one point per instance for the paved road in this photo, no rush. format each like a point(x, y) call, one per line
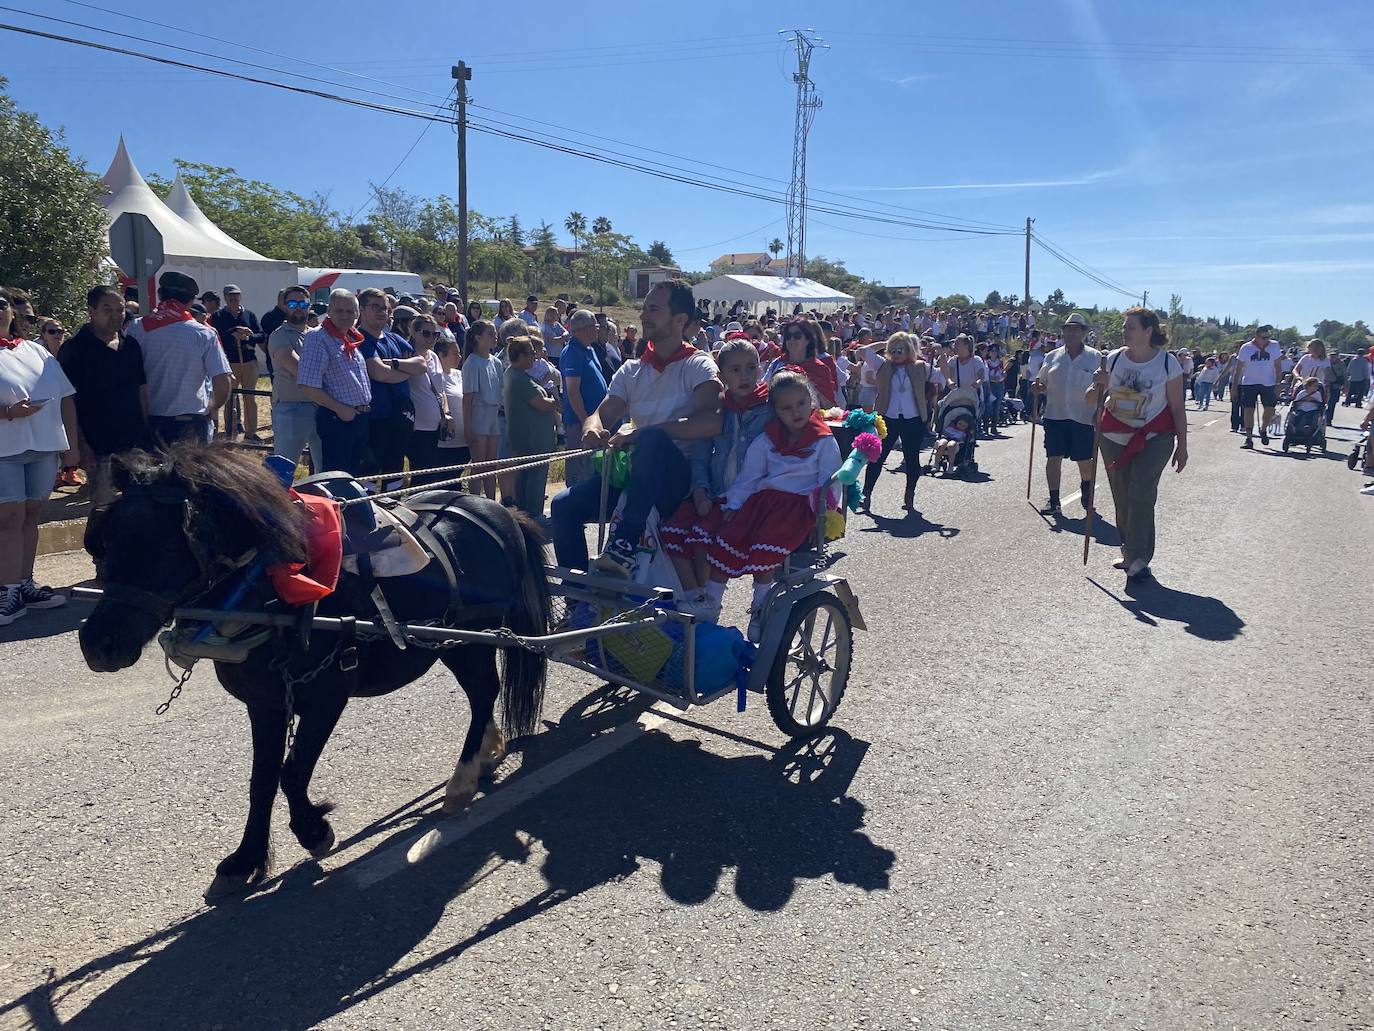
point(1044, 803)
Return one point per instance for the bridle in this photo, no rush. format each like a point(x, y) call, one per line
point(214, 569)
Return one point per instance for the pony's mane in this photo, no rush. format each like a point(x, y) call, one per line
point(233, 483)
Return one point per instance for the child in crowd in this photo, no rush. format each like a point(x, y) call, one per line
point(688, 533)
point(769, 510)
point(947, 447)
point(1310, 396)
point(1206, 380)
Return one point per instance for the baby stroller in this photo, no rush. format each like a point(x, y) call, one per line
point(1305, 429)
point(1358, 453)
point(959, 402)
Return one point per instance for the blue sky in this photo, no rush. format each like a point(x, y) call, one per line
point(1237, 174)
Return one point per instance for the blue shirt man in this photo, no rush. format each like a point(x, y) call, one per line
point(584, 385)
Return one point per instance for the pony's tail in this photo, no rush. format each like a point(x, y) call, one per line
point(522, 688)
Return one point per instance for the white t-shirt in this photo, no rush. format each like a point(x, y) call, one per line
point(969, 371)
point(1257, 367)
point(1066, 383)
point(29, 371)
point(657, 397)
point(901, 402)
point(1309, 366)
point(1034, 360)
point(453, 390)
point(1136, 392)
point(1208, 374)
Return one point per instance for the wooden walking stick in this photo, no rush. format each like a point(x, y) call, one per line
point(1030, 462)
point(1092, 480)
point(605, 497)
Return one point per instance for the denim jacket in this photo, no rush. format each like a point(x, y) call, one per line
point(716, 462)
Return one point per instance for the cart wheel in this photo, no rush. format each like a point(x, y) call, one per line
point(1286, 445)
point(812, 667)
point(1353, 457)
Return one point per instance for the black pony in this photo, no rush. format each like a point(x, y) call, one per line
point(189, 520)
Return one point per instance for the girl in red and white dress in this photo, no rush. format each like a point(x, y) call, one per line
point(770, 509)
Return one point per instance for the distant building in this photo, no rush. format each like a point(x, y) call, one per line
point(643, 279)
point(910, 293)
point(565, 255)
point(751, 263)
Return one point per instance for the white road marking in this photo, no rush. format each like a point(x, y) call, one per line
point(1070, 499)
point(1213, 422)
point(391, 861)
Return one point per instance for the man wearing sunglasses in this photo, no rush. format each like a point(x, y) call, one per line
point(293, 414)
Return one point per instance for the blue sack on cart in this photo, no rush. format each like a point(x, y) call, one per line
point(721, 652)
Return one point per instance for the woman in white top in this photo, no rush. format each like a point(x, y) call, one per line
point(453, 443)
point(431, 406)
point(554, 333)
point(37, 431)
point(1313, 363)
point(1143, 424)
point(902, 403)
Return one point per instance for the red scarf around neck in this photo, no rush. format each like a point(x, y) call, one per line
point(166, 313)
point(9, 345)
point(350, 340)
point(757, 396)
point(813, 431)
point(1161, 423)
point(653, 358)
point(821, 374)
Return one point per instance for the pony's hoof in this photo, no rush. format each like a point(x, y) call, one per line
point(227, 885)
point(325, 846)
point(457, 802)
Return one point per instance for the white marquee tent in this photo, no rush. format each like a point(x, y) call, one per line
point(759, 292)
point(191, 242)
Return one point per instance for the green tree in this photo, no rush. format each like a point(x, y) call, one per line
point(53, 232)
point(605, 265)
point(601, 225)
point(832, 274)
point(500, 261)
point(993, 300)
point(576, 225)
point(514, 232)
point(658, 251)
point(396, 217)
point(545, 252)
point(775, 246)
point(953, 301)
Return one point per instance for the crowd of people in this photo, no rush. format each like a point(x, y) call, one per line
point(722, 409)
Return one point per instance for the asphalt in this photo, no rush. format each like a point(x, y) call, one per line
point(1043, 803)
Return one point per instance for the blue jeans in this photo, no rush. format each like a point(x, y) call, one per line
point(293, 426)
point(343, 445)
point(998, 390)
point(1202, 393)
point(659, 478)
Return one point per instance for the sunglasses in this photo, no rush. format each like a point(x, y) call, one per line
point(297, 305)
point(426, 332)
point(55, 331)
point(4, 304)
point(794, 336)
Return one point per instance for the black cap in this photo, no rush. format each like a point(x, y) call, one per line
point(532, 297)
point(199, 309)
point(179, 281)
point(209, 295)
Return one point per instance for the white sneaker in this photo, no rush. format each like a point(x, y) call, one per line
point(11, 604)
point(755, 626)
point(1368, 489)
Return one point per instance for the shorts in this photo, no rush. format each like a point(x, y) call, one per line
point(485, 420)
point(28, 476)
point(1067, 438)
point(1250, 391)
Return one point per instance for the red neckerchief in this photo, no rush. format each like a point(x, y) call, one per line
point(758, 396)
point(813, 431)
point(166, 313)
point(10, 345)
point(350, 340)
point(652, 357)
point(821, 374)
point(1161, 423)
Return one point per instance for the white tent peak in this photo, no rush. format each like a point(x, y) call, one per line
point(181, 202)
point(122, 171)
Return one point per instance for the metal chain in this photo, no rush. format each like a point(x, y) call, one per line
point(290, 681)
point(551, 455)
point(465, 477)
point(161, 710)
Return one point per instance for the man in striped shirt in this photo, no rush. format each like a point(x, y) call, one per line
point(333, 374)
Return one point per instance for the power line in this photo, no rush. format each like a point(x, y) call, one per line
point(720, 243)
point(1106, 284)
point(648, 169)
point(404, 157)
point(1073, 257)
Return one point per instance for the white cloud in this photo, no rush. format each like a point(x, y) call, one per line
point(1035, 184)
point(1341, 215)
point(910, 80)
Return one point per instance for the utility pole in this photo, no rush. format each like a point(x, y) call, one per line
point(1145, 299)
point(1026, 296)
point(462, 74)
point(808, 101)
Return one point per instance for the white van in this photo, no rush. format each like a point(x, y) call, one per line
point(319, 281)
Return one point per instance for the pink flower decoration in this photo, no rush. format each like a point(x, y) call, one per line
point(870, 445)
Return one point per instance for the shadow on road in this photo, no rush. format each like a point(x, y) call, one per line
point(319, 944)
point(1104, 533)
point(912, 524)
point(1208, 618)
